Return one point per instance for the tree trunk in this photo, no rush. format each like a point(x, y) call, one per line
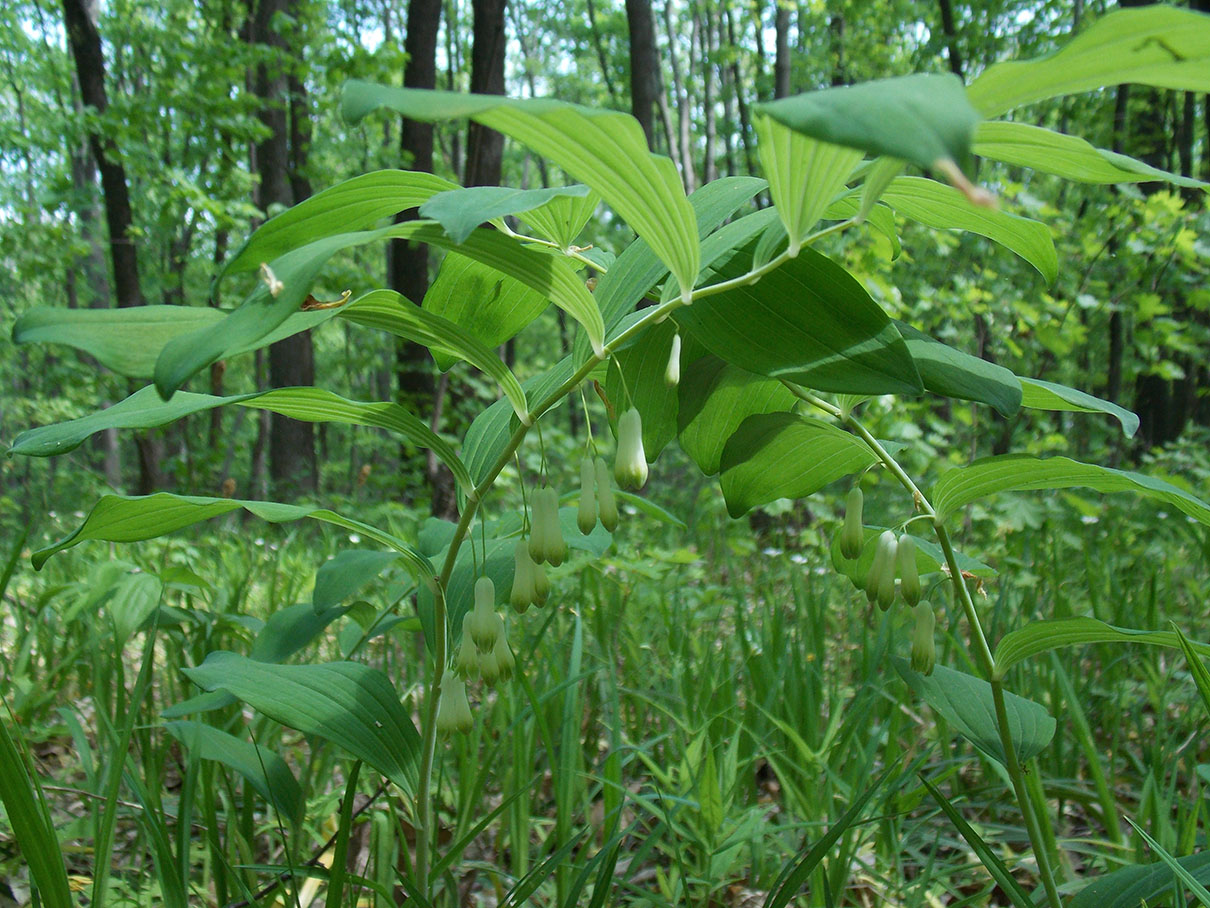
point(485, 147)
point(781, 63)
point(680, 97)
point(600, 49)
point(951, 37)
point(281, 167)
point(408, 263)
point(644, 66)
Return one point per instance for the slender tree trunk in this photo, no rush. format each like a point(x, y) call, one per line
point(644, 66)
point(680, 98)
point(951, 37)
point(704, 27)
point(741, 88)
point(292, 463)
point(781, 63)
point(408, 263)
point(485, 147)
point(600, 49)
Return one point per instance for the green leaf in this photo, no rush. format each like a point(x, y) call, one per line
point(1020, 472)
point(936, 205)
point(642, 366)
point(987, 857)
point(550, 275)
point(134, 599)
point(145, 409)
point(921, 118)
point(490, 305)
point(1070, 157)
point(264, 770)
point(1039, 636)
point(121, 518)
point(1159, 45)
point(1187, 880)
point(128, 341)
point(808, 321)
point(952, 373)
point(638, 268)
point(1139, 884)
point(804, 174)
point(604, 149)
point(32, 827)
point(966, 703)
point(562, 218)
point(714, 397)
point(348, 704)
point(288, 630)
point(460, 211)
point(340, 578)
point(124, 340)
point(352, 205)
point(784, 455)
point(389, 311)
point(1197, 668)
point(1044, 395)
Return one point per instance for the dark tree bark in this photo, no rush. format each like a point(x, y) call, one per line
point(600, 49)
point(485, 147)
point(781, 63)
point(951, 38)
point(408, 263)
point(644, 66)
point(281, 167)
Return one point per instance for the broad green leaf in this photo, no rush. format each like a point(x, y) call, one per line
point(562, 218)
point(640, 369)
point(1020, 472)
point(808, 321)
point(936, 205)
point(1044, 395)
point(1070, 157)
point(714, 397)
point(604, 149)
point(1139, 884)
point(952, 373)
point(784, 455)
point(145, 409)
point(262, 312)
point(880, 217)
point(1197, 668)
point(1158, 45)
point(128, 341)
point(32, 827)
point(348, 704)
point(882, 173)
point(550, 275)
point(921, 118)
point(987, 856)
point(340, 578)
point(124, 340)
point(460, 211)
point(966, 703)
point(804, 174)
point(389, 311)
point(723, 244)
point(638, 268)
point(490, 305)
point(121, 518)
point(288, 630)
point(264, 770)
point(133, 600)
point(355, 204)
point(491, 430)
point(1039, 636)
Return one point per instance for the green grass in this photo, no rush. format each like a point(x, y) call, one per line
point(690, 716)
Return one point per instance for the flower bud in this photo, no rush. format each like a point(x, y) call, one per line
point(672, 373)
point(851, 536)
point(502, 659)
point(453, 709)
point(466, 662)
point(484, 623)
point(886, 580)
point(909, 578)
point(541, 585)
point(586, 517)
point(523, 594)
point(630, 468)
point(546, 534)
point(882, 567)
point(924, 648)
point(606, 504)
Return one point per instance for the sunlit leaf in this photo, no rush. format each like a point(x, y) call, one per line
point(1044, 395)
point(460, 211)
point(1036, 637)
